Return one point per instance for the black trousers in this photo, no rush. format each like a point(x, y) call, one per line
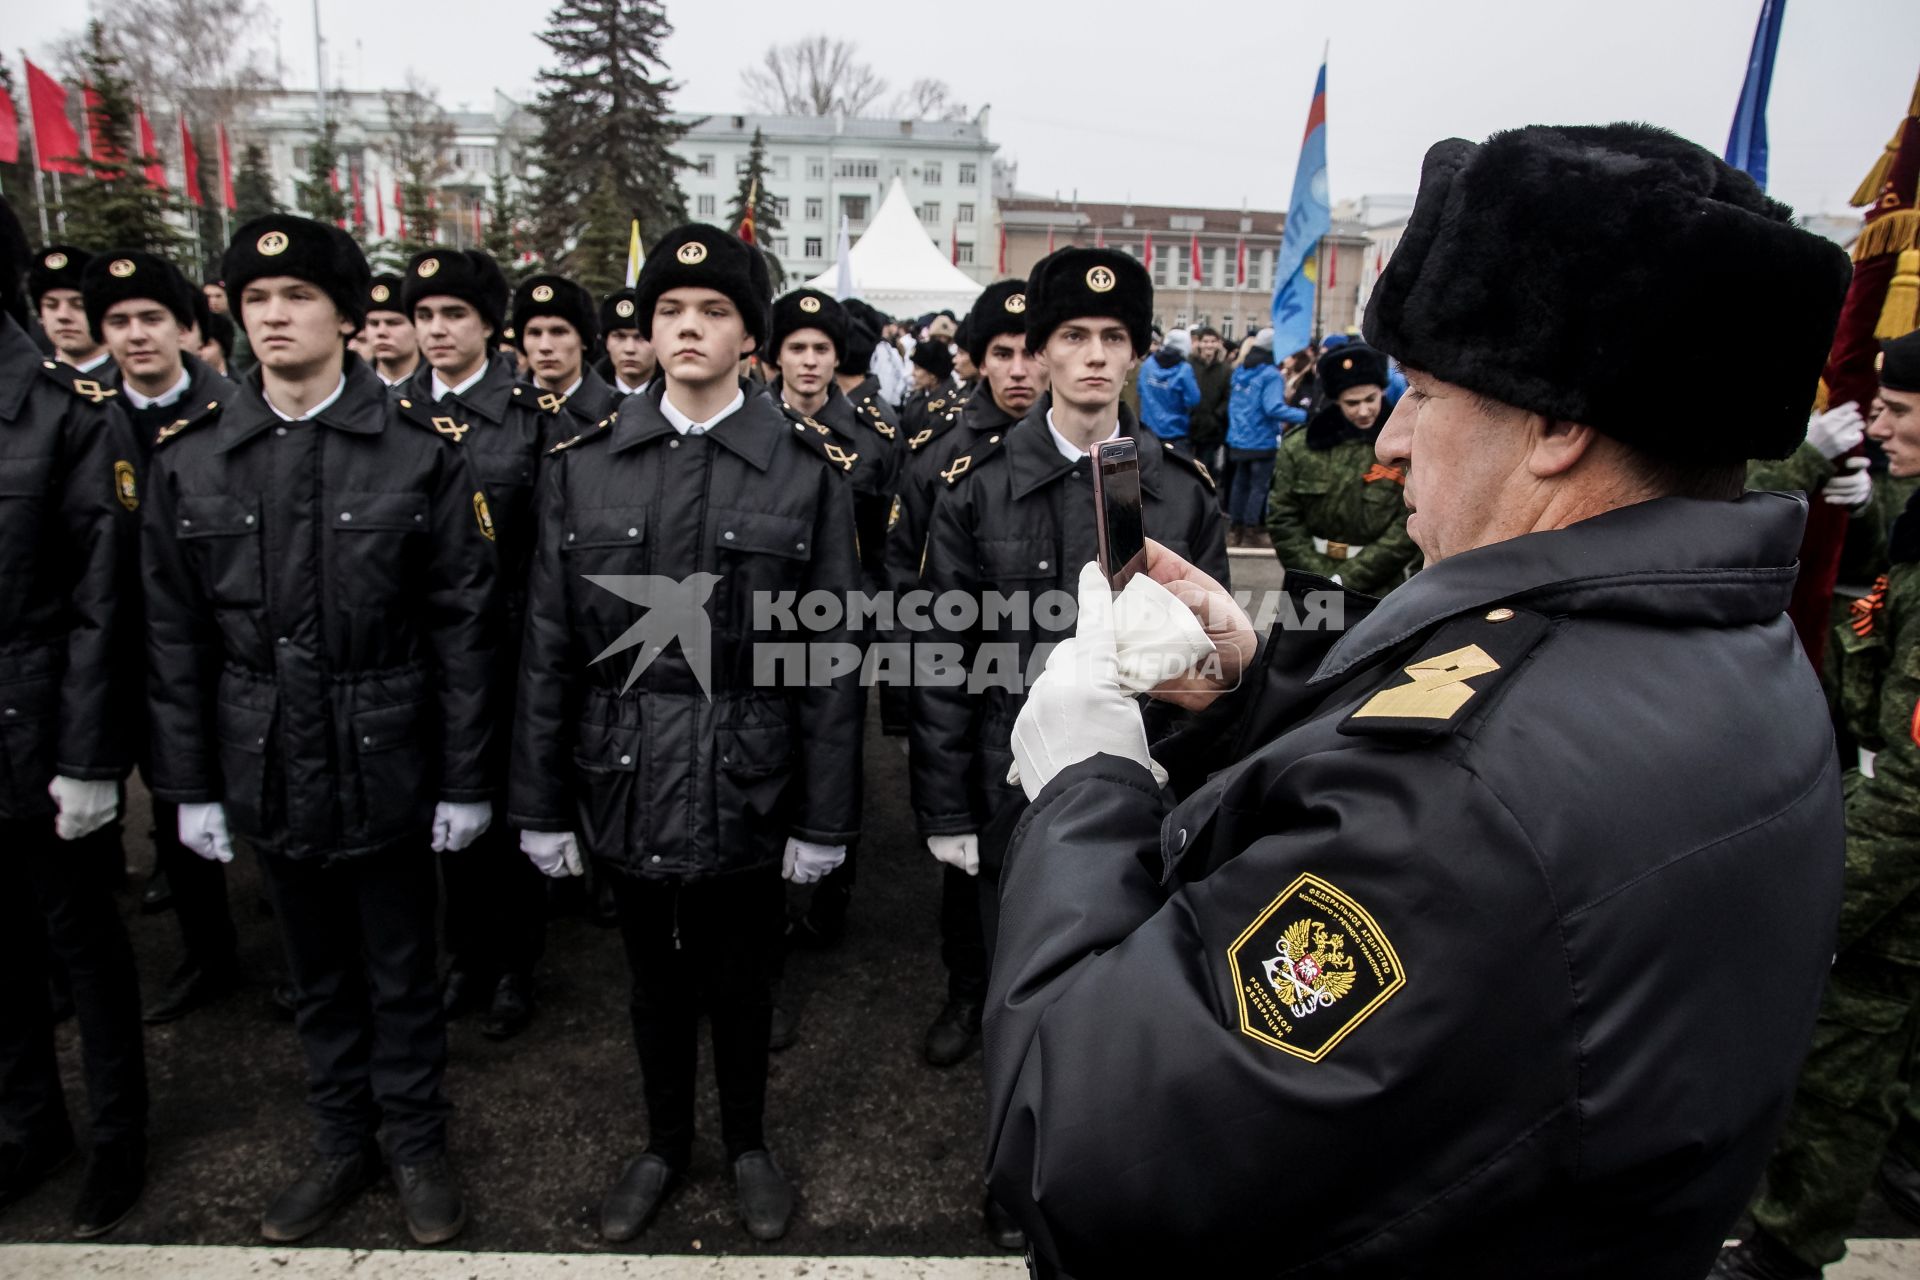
point(706, 944)
point(359, 938)
point(496, 905)
point(199, 888)
point(56, 903)
point(963, 949)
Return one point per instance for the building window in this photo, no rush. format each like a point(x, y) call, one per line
point(969, 174)
point(854, 208)
point(1187, 222)
point(779, 246)
point(966, 254)
point(1182, 269)
point(964, 213)
point(781, 166)
point(930, 213)
point(930, 173)
point(816, 209)
point(703, 206)
point(816, 168)
point(1160, 268)
point(1267, 267)
point(780, 208)
point(703, 165)
point(856, 168)
point(812, 247)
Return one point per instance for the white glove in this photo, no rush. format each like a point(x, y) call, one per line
point(962, 853)
point(85, 806)
point(556, 853)
point(1155, 637)
point(203, 829)
point(803, 862)
point(1836, 431)
point(1078, 708)
point(456, 825)
point(1852, 488)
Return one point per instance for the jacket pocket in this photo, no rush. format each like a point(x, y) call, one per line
point(762, 532)
point(391, 749)
point(607, 759)
point(23, 485)
point(242, 734)
point(753, 778)
point(28, 704)
point(369, 534)
point(220, 537)
point(1013, 559)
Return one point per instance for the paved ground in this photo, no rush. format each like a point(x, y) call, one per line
point(885, 1149)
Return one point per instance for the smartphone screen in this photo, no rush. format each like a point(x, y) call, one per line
point(1116, 510)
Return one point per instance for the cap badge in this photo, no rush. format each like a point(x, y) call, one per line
point(427, 269)
point(1017, 302)
point(1347, 363)
point(692, 253)
point(272, 244)
point(381, 293)
point(624, 308)
point(809, 304)
point(1100, 279)
point(543, 293)
point(56, 261)
point(120, 268)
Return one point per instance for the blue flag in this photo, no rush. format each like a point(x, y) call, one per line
point(1747, 143)
point(1308, 218)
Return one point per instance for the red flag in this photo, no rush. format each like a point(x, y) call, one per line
point(1099, 237)
point(1003, 249)
point(399, 209)
point(1193, 257)
point(190, 162)
point(379, 211)
point(1049, 237)
point(953, 237)
point(9, 131)
point(1333, 266)
point(1147, 253)
point(359, 205)
point(226, 169)
point(101, 152)
point(746, 215)
point(155, 173)
point(56, 145)
point(333, 180)
point(1240, 262)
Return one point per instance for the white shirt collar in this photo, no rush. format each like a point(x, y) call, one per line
point(688, 427)
point(440, 389)
point(314, 412)
point(568, 393)
point(626, 390)
point(1068, 449)
point(164, 399)
point(95, 363)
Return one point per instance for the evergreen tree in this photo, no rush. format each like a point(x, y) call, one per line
point(318, 199)
point(420, 136)
point(603, 148)
point(766, 218)
point(504, 230)
point(253, 195)
point(112, 206)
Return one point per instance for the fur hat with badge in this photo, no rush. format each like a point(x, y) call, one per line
point(123, 277)
point(1352, 365)
point(1534, 265)
point(283, 244)
point(58, 266)
point(558, 297)
point(697, 256)
point(468, 275)
point(384, 292)
point(807, 309)
point(1069, 284)
point(619, 311)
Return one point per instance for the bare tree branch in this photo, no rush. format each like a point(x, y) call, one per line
point(927, 99)
point(813, 76)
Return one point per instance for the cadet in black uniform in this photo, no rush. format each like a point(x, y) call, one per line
point(1482, 935)
point(321, 621)
point(68, 556)
point(495, 917)
point(629, 364)
point(554, 318)
point(141, 305)
point(53, 291)
point(392, 344)
point(694, 773)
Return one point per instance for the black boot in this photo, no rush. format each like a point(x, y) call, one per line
point(430, 1198)
point(511, 1010)
point(464, 992)
point(322, 1189)
point(285, 999)
point(1760, 1257)
point(631, 1205)
point(116, 1174)
point(158, 896)
point(954, 1034)
point(766, 1197)
point(784, 1029)
point(191, 987)
point(1900, 1186)
point(1002, 1229)
point(25, 1165)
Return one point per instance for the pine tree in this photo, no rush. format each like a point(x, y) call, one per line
point(318, 198)
point(504, 231)
point(420, 137)
point(112, 206)
point(603, 150)
point(253, 195)
point(766, 218)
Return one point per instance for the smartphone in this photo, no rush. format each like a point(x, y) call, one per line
point(1116, 510)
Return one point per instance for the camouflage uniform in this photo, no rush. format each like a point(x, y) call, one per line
point(1334, 509)
point(1851, 1089)
point(1806, 469)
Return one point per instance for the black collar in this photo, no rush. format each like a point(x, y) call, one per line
point(1036, 462)
point(1329, 426)
point(749, 431)
point(361, 409)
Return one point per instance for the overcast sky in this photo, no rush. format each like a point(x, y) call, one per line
point(1203, 103)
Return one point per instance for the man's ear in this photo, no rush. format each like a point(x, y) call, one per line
point(1558, 446)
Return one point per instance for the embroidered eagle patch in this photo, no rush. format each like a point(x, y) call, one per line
point(1310, 968)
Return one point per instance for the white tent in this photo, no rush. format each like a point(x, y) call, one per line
point(898, 269)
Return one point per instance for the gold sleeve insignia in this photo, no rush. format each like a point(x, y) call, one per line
point(1310, 969)
point(893, 513)
point(124, 486)
point(961, 465)
point(482, 514)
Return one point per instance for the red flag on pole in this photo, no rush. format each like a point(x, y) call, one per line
point(359, 204)
point(478, 235)
point(1099, 237)
point(226, 169)
point(1147, 253)
point(953, 238)
point(1333, 265)
point(1240, 262)
point(155, 173)
point(98, 149)
point(9, 131)
point(746, 215)
point(1003, 249)
point(333, 180)
point(399, 209)
point(190, 163)
point(379, 210)
point(56, 144)
point(1193, 256)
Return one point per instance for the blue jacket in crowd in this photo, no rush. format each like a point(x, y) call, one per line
point(1167, 395)
point(1258, 412)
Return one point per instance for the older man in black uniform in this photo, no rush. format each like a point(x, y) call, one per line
point(1484, 935)
point(473, 395)
point(321, 620)
point(68, 562)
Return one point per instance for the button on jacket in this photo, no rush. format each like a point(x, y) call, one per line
point(1485, 939)
point(615, 735)
point(321, 621)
